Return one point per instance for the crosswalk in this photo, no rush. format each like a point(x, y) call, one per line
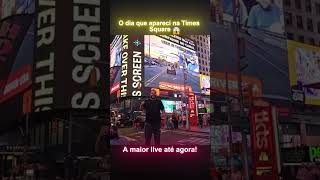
point(202, 135)
point(194, 141)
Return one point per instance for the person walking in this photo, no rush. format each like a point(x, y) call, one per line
point(152, 108)
point(175, 119)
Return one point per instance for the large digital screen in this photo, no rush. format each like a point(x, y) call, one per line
point(265, 15)
point(304, 67)
point(169, 106)
point(205, 84)
point(115, 51)
point(115, 63)
point(171, 62)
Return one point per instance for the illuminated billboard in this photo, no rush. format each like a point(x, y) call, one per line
point(171, 63)
point(132, 68)
point(265, 15)
point(115, 63)
point(205, 84)
point(304, 69)
point(169, 106)
point(218, 83)
point(115, 51)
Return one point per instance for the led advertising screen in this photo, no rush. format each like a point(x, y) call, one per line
point(304, 68)
point(170, 63)
point(115, 63)
point(169, 106)
point(115, 51)
point(265, 15)
point(205, 84)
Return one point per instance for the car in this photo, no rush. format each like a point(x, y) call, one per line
point(171, 70)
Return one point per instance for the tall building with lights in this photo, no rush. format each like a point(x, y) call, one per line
point(203, 51)
point(302, 20)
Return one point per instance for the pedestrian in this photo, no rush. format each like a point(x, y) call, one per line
point(169, 123)
point(200, 120)
point(175, 119)
point(152, 108)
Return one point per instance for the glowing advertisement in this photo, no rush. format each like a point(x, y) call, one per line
point(193, 117)
point(205, 84)
point(132, 68)
point(169, 106)
point(171, 60)
point(263, 145)
point(264, 15)
point(115, 51)
point(304, 70)
point(115, 62)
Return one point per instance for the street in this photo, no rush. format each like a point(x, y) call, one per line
point(168, 137)
point(154, 74)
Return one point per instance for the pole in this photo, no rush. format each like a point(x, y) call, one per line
point(70, 134)
point(229, 121)
point(236, 43)
point(276, 137)
point(245, 152)
point(186, 96)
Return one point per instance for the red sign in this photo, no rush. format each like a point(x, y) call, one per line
point(192, 108)
point(115, 88)
point(263, 147)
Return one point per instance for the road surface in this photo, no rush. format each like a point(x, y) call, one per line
point(168, 137)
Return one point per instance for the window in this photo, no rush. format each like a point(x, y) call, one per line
point(313, 130)
point(288, 18)
point(301, 39)
point(310, 25)
point(291, 129)
point(290, 36)
point(312, 42)
point(298, 4)
point(308, 6)
point(287, 3)
point(317, 6)
point(299, 22)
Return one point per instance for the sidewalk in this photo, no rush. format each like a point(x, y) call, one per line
point(196, 129)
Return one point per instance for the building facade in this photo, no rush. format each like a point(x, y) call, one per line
point(203, 52)
point(302, 20)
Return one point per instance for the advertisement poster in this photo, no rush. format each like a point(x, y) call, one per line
point(115, 62)
point(15, 75)
point(169, 106)
point(262, 138)
point(205, 84)
point(263, 15)
point(132, 66)
point(304, 70)
point(171, 60)
point(218, 83)
point(193, 117)
point(68, 71)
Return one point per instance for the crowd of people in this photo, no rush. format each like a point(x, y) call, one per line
point(176, 121)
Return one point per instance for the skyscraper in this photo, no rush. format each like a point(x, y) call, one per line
point(203, 51)
point(302, 20)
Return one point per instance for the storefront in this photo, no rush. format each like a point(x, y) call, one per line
point(295, 159)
